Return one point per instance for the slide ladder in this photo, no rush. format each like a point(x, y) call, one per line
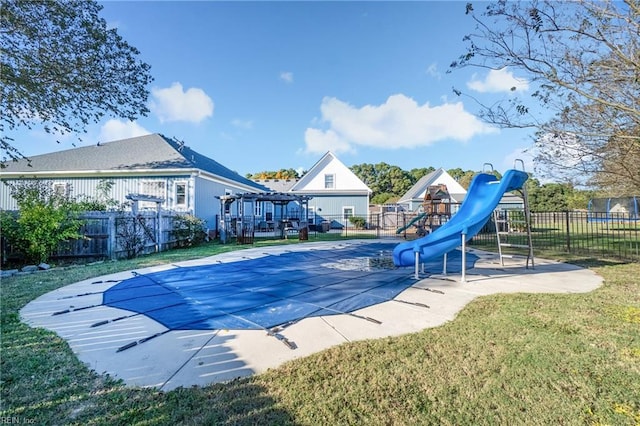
point(508, 219)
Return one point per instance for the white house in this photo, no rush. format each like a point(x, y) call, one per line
point(336, 192)
point(412, 200)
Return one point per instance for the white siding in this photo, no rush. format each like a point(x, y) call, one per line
point(122, 186)
point(343, 178)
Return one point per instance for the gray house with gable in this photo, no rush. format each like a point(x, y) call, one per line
point(151, 165)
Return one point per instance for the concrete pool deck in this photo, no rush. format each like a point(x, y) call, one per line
point(166, 359)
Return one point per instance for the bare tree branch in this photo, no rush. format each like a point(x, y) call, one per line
point(583, 58)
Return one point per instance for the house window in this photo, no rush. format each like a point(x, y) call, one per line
point(311, 213)
point(347, 212)
point(153, 188)
point(181, 194)
point(257, 211)
point(60, 189)
point(329, 181)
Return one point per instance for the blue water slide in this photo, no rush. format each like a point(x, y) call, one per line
point(482, 198)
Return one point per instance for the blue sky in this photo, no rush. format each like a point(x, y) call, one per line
point(270, 85)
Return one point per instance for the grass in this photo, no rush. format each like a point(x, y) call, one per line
point(514, 359)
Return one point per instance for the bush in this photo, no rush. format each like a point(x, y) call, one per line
point(188, 230)
point(517, 220)
point(45, 219)
point(130, 234)
point(358, 222)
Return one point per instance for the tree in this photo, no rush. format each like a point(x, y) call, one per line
point(45, 219)
point(383, 178)
point(280, 174)
point(366, 173)
point(64, 69)
point(466, 178)
point(620, 156)
point(583, 60)
point(384, 198)
point(417, 174)
point(550, 197)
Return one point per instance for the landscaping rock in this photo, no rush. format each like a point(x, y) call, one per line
point(29, 268)
point(44, 266)
point(8, 273)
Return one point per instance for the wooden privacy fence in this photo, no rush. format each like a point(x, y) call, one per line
point(116, 235)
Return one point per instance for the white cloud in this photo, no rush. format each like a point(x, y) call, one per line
point(114, 130)
point(319, 141)
point(432, 70)
point(286, 76)
point(174, 104)
point(525, 154)
point(242, 124)
point(498, 81)
point(397, 123)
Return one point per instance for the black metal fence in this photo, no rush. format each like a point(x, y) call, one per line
point(602, 235)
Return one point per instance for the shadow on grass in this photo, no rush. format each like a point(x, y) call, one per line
point(44, 383)
point(590, 262)
point(239, 402)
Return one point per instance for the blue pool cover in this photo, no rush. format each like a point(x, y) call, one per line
point(269, 291)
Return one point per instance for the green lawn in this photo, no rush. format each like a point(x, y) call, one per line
point(505, 359)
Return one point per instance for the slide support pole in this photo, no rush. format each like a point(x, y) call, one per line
point(444, 265)
point(463, 279)
point(416, 274)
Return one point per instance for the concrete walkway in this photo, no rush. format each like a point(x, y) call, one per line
point(172, 359)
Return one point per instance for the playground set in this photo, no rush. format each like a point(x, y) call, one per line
point(435, 211)
point(483, 196)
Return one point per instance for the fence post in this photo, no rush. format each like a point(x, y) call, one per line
point(111, 245)
point(567, 223)
point(161, 231)
point(404, 223)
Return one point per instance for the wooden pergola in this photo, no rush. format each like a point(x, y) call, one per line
point(244, 224)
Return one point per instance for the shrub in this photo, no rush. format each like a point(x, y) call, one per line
point(517, 220)
point(130, 234)
point(358, 222)
point(45, 219)
point(188, 230)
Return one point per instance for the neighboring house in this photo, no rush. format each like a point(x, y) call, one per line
point(337, 192)
point(412, 200)
point(151, 165)
point(511, 200)
point(270, 211)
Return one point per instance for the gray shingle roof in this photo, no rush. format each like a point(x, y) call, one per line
point(277, 185)
point(418, 188)
point(149, 152)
